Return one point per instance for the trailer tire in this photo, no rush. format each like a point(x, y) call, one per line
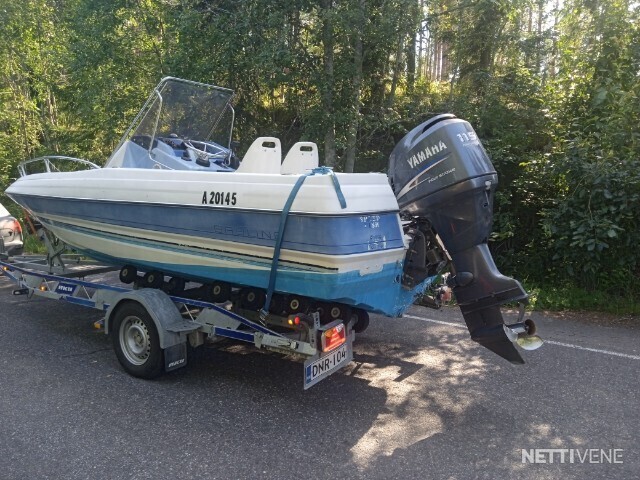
point(361, 320)
point(175, 286)
point(218, 292)
point(153, 279)
point(136, 342)
point(252, 298)
point(296, 304)
point(338, 311)
point(128, 274)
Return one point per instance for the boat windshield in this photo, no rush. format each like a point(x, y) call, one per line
point(183, 125)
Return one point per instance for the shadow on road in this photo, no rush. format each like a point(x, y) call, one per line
point(419, 401)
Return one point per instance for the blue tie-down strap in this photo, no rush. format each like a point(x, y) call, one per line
point(334, 179)
point(283, 223)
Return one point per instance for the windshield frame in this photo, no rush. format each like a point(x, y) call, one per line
point(157, 101)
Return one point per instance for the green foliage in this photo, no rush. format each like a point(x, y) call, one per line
point(593, 229)
point(558, 296)
point(553, 93)
point(592, 226)
point(33, 245)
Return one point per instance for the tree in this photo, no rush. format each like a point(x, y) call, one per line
point(551, 88)
point(592, 225)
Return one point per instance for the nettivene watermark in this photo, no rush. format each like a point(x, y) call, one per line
point(572, 455)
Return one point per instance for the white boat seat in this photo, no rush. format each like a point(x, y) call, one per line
point(302, 157)
point(264, 156)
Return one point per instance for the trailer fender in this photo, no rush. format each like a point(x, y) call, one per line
point(162, 310)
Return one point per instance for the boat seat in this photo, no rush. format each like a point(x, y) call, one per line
point(302, 157)
point(263, 156)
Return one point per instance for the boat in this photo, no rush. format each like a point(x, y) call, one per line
point(173, 201)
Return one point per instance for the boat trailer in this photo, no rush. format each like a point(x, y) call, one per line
point(151, 330)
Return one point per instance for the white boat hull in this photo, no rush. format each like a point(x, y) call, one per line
point(352, 255)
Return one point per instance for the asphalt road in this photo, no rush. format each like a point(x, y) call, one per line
point(420, 401)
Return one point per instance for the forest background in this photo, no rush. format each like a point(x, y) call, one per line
point(552, 88)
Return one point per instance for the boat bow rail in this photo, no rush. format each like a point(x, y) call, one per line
point(55, 163)
point(131, 315)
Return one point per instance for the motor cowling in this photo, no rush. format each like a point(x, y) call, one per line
point(441, 172)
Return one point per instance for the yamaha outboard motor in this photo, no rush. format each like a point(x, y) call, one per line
point(444, 180)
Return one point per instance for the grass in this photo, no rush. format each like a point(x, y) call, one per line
point(33, 245)
point(569, 297)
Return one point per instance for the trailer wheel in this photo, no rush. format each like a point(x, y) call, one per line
point(252, 298)
point(278, 304)
point(135, 341)
point(153, 279)
point(323, 309)
point(128, 274)
point(362, 320)
point(296, 304)
point(333, 311)
point(175, 285)
point(218, 292)
point(339, 311)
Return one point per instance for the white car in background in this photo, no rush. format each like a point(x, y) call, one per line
point(10, 233)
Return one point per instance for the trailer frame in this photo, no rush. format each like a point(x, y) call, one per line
point(176, 321)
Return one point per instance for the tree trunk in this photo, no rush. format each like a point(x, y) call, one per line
point(539, 44)
point(352, 134)
point(554, 47)
point(327, 86)
point(397, 67)
point(411, 64)
point(420, 41)
point(446, 63)
point(415, 26)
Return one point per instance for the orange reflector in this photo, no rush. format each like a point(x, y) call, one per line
point(43, 288)
point(333, 337)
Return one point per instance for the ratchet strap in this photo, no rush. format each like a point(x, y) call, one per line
point(284, 215)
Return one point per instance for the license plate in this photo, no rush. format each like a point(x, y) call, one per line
point(320, 368)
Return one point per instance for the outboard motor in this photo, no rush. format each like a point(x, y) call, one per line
point(442, 178)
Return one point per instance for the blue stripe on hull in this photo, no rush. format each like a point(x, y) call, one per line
point(163, 247)
point(379, 292)
point(331, 235)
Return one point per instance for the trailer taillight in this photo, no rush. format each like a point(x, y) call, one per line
point(333, 337)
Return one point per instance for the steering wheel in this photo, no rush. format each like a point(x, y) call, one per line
point(198, 154)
